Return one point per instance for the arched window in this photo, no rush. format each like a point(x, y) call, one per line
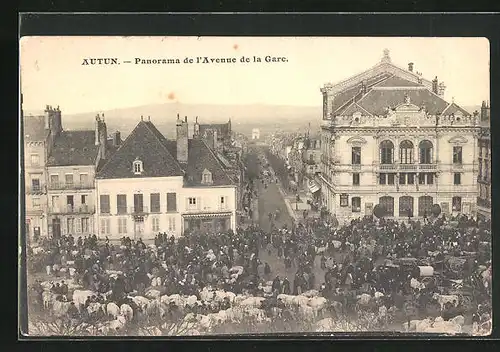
point(405, 206)
point(406, 152)
point(138, 167)
point(425, 205)
point(425, 148)
point(386, 152)
point(387, 203)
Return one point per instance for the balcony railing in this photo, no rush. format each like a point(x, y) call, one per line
point(407, 167)
point(136, 210)
point(35, 190)
point(73, 209)
point(392, 167)
point(76, 185)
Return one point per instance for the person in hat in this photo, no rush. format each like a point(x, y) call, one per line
point(276, 286)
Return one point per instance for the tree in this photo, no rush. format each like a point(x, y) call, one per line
point(379, 211)
point(436, 210)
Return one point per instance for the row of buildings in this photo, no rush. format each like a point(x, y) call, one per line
point(88, 182)
point(389, 137)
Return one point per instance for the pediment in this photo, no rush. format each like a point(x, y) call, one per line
point(356, 140)
point(458, 140)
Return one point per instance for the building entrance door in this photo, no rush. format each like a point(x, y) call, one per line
point(138, 229)
point(56, 228)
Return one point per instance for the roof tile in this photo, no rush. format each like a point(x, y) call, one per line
point(73, 148)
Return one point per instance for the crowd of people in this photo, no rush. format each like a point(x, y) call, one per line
point(366, 256)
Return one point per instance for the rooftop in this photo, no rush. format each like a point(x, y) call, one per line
point(74, 148)
point(34, 129)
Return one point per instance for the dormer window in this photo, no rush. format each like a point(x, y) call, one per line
point(138, 168)
point(206, 177)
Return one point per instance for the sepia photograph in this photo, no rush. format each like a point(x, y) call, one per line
point(207, 186)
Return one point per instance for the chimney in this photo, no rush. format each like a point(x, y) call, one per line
point(97, 122)
point(485, 111)
point(363, 88)
point(182, 140)
point(103, 138)
point(215, 140)
point(435, 85)
point(196, 132)
point(410, 67)
point(57, 125)
point(116, 139)
point(47, 117)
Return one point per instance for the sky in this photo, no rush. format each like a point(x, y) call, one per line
point(52, 72)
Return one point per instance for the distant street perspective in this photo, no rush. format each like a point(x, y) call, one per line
point(369, 214)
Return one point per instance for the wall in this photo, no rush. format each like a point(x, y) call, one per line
point(207, 201)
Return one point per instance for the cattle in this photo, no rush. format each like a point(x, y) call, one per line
point(325, 325)
point(253, 302)
point(318, 304)
point(310, 293)
point(112, 310)
point(47, 298)
point(206, 294)
point(80, 297)
point(459, 320)
point(300, 301)
point(93, 308)
point(443, 299)
point(126, 311)
point(115, 325)
point(153, 294)
point(142, 302)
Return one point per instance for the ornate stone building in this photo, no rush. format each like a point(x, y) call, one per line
point(389, 138)
point(484, 175)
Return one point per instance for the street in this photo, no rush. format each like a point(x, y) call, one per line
point(269, 200)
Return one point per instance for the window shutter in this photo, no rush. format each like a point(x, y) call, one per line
point(198, 203)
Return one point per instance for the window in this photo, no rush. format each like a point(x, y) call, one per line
point(356, 204)
point(406, 206)
point(206, 177)
point(70, 225)
point(68, 179)
point(138, 167)
point(83, 199)
point(355, 179)
point(382, 179)
point(78, 226)
point(456, 203)
point(171, 202)
point(105, 226)
point(155, 224)
point(85, 225)
point(356, 156)
point(430, 179)
point(54, 180)
point(386, 152)
point(411, 179)
point(344, 200)
point(425, 205)
point(406, 152)
point(425, 148)
point(122, 225)
point(421, 179)
point(192, 203)
point(84, 179)
point(138, 203)
point(35, 184)
point(457, 178)
point(36, 202)
point(402, 178)
point(311, 158)
point(70, 203)
point(55, 201)
point(121, 204)
point(390, 179)
point(457, 155)
point(223, 202)
point(35, 159)
point(387, 203)
point(171, 223)
point(104, 203)
point(155, 202)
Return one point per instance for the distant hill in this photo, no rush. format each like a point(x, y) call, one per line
point(267, 118)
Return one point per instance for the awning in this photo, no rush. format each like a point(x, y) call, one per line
point(206, 215)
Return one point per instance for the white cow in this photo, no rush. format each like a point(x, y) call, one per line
point(126, 311)
point(153, 294)
point(112, 310)
point(60, 309)
point(93, 308)
point(310, 293)
point(318, 304)
point(141, 301)
point(443, 299)
point(325, 325)
point(253, 302)
point(80, 297)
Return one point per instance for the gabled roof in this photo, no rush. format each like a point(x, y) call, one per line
point(395, 81)
point(348, 94)
point(34, 129)
point(73, 148)
point(377, 101)
point(353, 108)
point(201, 157)
point(146, 143)
point(453, 109)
